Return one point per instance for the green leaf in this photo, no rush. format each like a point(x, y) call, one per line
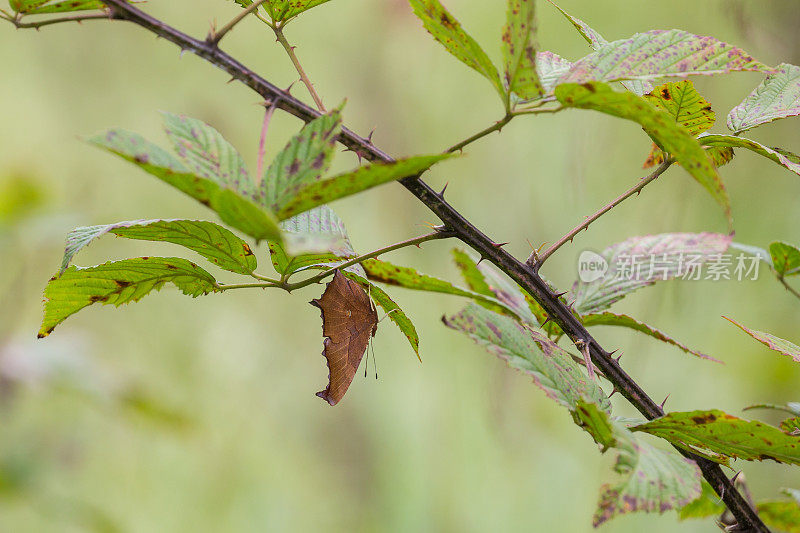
point(304, 197)
point(684, 103)
point(659, 125)
point(233, 208)
point(783, 515)
point(660, 53)
point(304, 159)
point(725, 436)
point(625, 321)
point(597, 41)
point(473, 277)
point(41, 7)
point(771, 341)
point(550, 67)
point(790, 407)
point(707, 504)
point(393, 311)
point(447, 30)
point(774, 154)
point(519, 52)
point(322, 223)
point(596, 422)
point(531, 352)
point(778, 96)
point(213, 242)
point(629, 265)
point(119, 282)
point(407, 277)
point(785, 259)
point(283, 10)
point(207, 154)
point(653, 479)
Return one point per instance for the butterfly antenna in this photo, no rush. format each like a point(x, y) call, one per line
point(374, 361)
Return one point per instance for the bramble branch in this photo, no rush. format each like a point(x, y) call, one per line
point(17, 20)
point(524, 275)
point(535, 260)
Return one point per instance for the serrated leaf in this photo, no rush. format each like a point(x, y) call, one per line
point(597, 41)
point(304, 159)
point(210, 240)
point(725, 436)
point(395, 314)
point(531, 352)
point(304, 197)
point(785, 259)
point(778, 96)
point(41, 7)
point(660, 53)
point(654, 480)
point(707, 504)
point(595, 422)
point(771, 341)
point(783, 515)
point(682, 101)
point(519, 52)
point(283, 10)
point(630, 267)
point(778, 156)
point(233, 208)
point(409, 278)
point(206, 153)
point(659, 125)
point(119, 282)
point(473, 277)
point(447, 31)
point(625, 321)
point(321, 222)
point(550, 67)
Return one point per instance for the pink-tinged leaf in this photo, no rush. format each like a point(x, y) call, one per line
point(551, 367)
point(725, 436)
point(550, 67)
point(625, 321)
point(629, 265)
point(519, 52)
point(658, 124)
point(778, 96)
point(786, 159)
point(660, 53)
point(771, 341)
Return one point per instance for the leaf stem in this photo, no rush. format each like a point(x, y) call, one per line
point(788, 287)
point(296, 62)
point(262, 143)
point(262, 285)
point(535, 260)
point(499, 125)
point(16, 21)
point(214, 37)
point(416, 241)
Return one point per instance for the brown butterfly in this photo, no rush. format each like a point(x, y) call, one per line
point(349, 320)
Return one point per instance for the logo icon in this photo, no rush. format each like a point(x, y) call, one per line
point(591, 266)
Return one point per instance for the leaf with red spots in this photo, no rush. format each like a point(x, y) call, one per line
point(658, 54)
point(304, 196)
point(642, 261)
point(777, 97)
point(519, 52)
point(782, 515)
point(785, 259)
point(597, 41)
point(684, 103)
point(41, 7)
point(653, 480)
point(448, 31)
point(659, 125)
point(349, 321)
point(552, 368)
point(625, 321)
point(207, 154)
point(771, 341)
point(786, 159)
point(725, 436)
point(303, 161)
point(235, 209)
point(119, 282)
point(210, 240)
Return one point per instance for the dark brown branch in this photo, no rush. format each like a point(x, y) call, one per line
point(454, 222)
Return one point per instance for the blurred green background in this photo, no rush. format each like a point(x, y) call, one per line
point(179, 415)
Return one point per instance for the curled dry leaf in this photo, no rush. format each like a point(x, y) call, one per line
point(349, 320)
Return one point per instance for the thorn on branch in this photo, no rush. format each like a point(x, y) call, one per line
point(499, 244)
point(558, 295)
point(546, 320)
point(441, 193)
point(613, 392)
point(664, 402)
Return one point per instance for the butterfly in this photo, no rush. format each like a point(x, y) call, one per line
point(349, 321)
